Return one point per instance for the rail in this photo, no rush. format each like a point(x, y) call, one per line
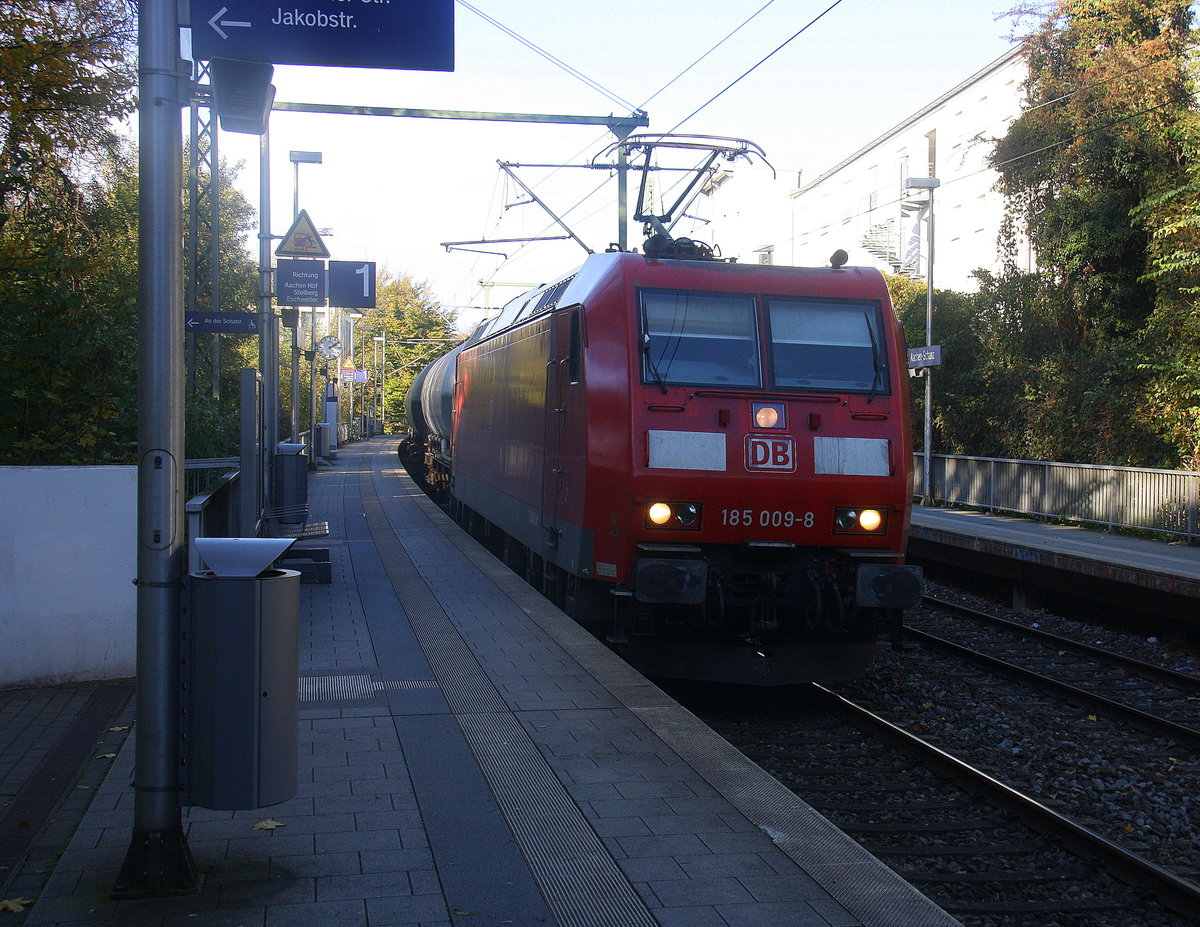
point(1161, 501)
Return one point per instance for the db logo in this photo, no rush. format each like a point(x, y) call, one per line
point(770, 454)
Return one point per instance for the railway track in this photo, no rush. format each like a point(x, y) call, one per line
point(1157, 698)
point(981, 849)
point(1022, 778)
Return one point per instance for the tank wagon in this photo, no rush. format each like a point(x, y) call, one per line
point(706, 462)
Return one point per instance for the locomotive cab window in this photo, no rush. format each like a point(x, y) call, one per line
point(828, 344)
point(698, 339)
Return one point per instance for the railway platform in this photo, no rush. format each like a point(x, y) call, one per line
point(1137, 573)
point(470, 756)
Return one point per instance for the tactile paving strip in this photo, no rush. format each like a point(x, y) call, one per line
point(583, 885)
point(573, 868)
point(354, 687)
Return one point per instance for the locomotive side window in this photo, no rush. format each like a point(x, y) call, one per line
point(827, 344)
point(699, 339)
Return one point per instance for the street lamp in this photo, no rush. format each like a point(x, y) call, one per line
point(381, 373)
point(930, 184)
point(297, 158)
point(354, 315)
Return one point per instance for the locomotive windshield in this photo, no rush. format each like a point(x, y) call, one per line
point(827, 344)
point(708, 339)
point(711, 339)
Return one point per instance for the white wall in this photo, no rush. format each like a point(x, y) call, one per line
point(861, 205)
point(68, 558)
point(863, 199)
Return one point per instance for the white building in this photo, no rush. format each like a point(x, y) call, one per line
point(862, 205)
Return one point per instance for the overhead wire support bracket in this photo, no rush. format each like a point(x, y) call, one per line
point(620, 126)
point(507, 168)
point(458, 245)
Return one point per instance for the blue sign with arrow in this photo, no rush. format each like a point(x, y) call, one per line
point(229, 323)
point(415, 35)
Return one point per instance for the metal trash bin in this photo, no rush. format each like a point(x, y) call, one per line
point(324, 440)
point(291, 483)
point(241, 677)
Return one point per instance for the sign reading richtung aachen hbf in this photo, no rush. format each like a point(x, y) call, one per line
point(416, 35)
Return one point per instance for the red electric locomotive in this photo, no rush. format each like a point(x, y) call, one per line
point(709, 462)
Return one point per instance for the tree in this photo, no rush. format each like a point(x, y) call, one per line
point(212, 425)
point(1106, 91)
point(66, 353)
point(66, 75)
point(68, 349)
point(416, 330)
point(1099, 172)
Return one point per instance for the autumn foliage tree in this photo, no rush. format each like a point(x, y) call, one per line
point(66, 74)
point(69, 245)
point(414, 328)
point(1099, 172)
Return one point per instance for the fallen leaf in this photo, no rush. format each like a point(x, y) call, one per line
point(106, 756)
point(268, 824)
point(15, 905)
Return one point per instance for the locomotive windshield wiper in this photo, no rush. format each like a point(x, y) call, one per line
point(876, 360)
point(658, 377)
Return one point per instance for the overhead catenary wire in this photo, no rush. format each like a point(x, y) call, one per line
point(745, 22)
point(615, 98)
point(557, 62)
point(641, 107)
point(756, 65)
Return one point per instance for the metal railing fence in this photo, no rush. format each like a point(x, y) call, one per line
point(1163, 501)
point(200, 474)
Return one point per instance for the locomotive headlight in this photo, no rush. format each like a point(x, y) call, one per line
point(858, 521)
point(870, 519)
point(769, 414)
point(673, 515)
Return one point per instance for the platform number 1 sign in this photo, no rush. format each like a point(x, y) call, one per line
point(352, 284)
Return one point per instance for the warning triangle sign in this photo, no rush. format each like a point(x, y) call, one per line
point(302, 240)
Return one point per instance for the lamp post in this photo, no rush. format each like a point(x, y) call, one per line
point(297, 158)
point(381, 373)
point(353, 316)
point(930, 184)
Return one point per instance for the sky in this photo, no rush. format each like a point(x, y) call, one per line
point(392, 190)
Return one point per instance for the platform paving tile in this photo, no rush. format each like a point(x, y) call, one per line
point(690, 916)
point(619, 827)
point(716, 891)
point(318, 914)
point(736, 865)
point(783, 914)
point(686, 824)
